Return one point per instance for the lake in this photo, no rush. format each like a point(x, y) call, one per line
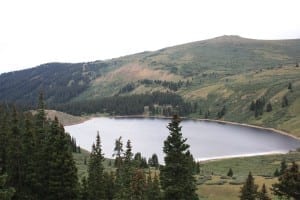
point(207, 140)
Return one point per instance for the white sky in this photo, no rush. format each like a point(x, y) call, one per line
point(33, 32)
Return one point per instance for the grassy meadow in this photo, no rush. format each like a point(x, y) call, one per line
point(213, 182)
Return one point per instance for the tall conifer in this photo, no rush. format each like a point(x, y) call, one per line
point(249, 189)
point(95, 172)
point(263, 194)
point(176, 176)
point(62, 177)
point(15, 158)
point(30, 176)
point(125, 174)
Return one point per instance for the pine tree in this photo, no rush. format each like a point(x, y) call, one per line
point(29, 149)
point(118, 151)
point(155, 162)
point(15, 161)
point(176, 176)
point(62, 176)
point(249, 189)
point(289, 183)
point(41, 115)
point(222, 112)
point(252, 106)
point(95, 172)
point(269, 107)
point(125, 174)
point(41, 154)
point(290, 86)
point(263, 194)
point(285, 102)
point(276, 173)
point(138, 159)
point(283, 167)
point(230, 172)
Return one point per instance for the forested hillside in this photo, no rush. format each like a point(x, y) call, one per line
point(228, 77)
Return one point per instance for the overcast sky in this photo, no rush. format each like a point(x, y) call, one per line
point(33, 32)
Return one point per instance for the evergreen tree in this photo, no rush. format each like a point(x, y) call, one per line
point(263, 194)
point(252, 106)
point(283, 167)
point(289, 183)
point(118, 151)
point(41, 154)
point(138, 159)
point(269, 107)
point(249, 189)
point(290, 86)
point(222, 112)
point(230, 172)
point(41, 115)
point(62, 177)
point(276, 173)
point(144, 163)
point(95, 172)
point(30, 176)
point(15, 161)
point(285, 102)
point(176, 176)
point(125, 174)
point(155, 162)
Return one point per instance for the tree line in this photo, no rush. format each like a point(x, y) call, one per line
point(129, 105)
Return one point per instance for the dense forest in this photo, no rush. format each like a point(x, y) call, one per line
point(37, 162)
point(166, 104)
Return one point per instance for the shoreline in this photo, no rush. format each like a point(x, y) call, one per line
point(86, 118)
point(216, 158)
point(208, 120)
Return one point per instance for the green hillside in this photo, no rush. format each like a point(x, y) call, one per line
point(216, 78)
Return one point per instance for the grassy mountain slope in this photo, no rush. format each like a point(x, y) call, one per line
point(227, 71)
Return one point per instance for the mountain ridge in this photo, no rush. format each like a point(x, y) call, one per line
point(226, 71)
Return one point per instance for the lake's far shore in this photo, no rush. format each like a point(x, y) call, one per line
point(209, 159)
point(86, 118)
point(206, 159)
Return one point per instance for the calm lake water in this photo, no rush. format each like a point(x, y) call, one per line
point(207, 140)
